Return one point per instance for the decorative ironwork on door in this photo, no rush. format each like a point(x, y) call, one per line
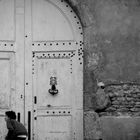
point(53, 83)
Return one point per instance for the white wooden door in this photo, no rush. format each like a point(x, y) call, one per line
point(41, 68)
point(57, 70)
point(11, 60)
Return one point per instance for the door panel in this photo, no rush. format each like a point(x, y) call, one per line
point(53, 111)
point(59, 127)
point(52, 23)
point(7, 87)
point(59, 66)
point(7, 18)
point(7, 78)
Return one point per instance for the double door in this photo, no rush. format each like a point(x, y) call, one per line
point(41, 68)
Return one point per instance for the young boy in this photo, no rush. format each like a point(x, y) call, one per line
point(16, 130)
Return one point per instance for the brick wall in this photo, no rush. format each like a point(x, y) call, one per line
point(123, 100)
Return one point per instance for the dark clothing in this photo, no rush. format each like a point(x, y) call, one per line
point(15, 129)
point(20, 139)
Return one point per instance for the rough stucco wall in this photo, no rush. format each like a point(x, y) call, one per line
point(111, 50)
point(112, 39)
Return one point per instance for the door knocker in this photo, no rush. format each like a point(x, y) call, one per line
point(53, 83)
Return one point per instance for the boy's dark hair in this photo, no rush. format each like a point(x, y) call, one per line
point(11, 114)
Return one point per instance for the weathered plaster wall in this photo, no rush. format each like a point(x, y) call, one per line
point(111, 55)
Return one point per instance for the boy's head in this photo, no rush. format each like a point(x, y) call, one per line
point(11, 115)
